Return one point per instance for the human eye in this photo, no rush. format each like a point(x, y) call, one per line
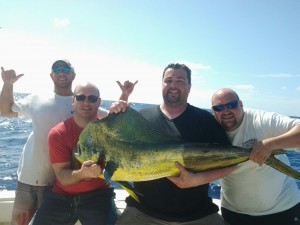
point(56, 70)
point(67, 70)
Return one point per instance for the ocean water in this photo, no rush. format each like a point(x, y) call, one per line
point(14, 133)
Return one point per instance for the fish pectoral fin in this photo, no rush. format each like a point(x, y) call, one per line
point(130, 190)
point(109, 170)
point(106, 176)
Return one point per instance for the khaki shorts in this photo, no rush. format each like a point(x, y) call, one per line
point(132, 216)
point(28, 198)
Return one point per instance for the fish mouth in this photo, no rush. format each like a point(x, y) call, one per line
point(101, 161)
point(76, 155)
point(78, 150)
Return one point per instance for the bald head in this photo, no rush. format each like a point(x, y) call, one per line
point(86, 85)
point(223, 94)
point(227, 108)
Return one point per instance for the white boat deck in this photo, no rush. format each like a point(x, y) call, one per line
point(7, 200)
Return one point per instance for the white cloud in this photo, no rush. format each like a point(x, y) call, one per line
point(298, 89)
point(283, 88)
point(61, 22)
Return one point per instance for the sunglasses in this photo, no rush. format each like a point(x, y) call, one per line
point(230, 105)
point(65, 70)
point(91, 98)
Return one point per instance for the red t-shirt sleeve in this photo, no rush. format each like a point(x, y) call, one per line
point(57, 142)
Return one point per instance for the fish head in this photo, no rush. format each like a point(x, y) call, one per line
point(87, 150)
point(91, 144)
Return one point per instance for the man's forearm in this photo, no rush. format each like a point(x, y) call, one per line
point(7, 100)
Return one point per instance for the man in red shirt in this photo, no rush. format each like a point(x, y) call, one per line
point(78, 194)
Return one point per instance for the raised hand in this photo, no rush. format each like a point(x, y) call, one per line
point(127, 87)
point(9, 76)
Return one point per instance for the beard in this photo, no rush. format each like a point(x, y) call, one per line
point(229, 126)
point(172, 99)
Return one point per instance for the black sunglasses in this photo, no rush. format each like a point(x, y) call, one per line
point(229, 105)
point(91, 98)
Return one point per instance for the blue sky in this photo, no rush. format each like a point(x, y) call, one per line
point(252, 46)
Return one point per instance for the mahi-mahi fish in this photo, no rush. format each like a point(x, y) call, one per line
point(130, 150)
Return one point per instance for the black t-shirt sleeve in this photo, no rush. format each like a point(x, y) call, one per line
point(199, 125)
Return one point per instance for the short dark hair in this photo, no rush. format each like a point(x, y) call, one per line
point(179, 66)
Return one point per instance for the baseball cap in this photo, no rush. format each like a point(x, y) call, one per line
point(62, 62)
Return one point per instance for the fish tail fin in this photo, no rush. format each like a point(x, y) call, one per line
point(282, 167)
point(130, 190)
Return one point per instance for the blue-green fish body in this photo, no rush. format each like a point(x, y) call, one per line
point(129, 149)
